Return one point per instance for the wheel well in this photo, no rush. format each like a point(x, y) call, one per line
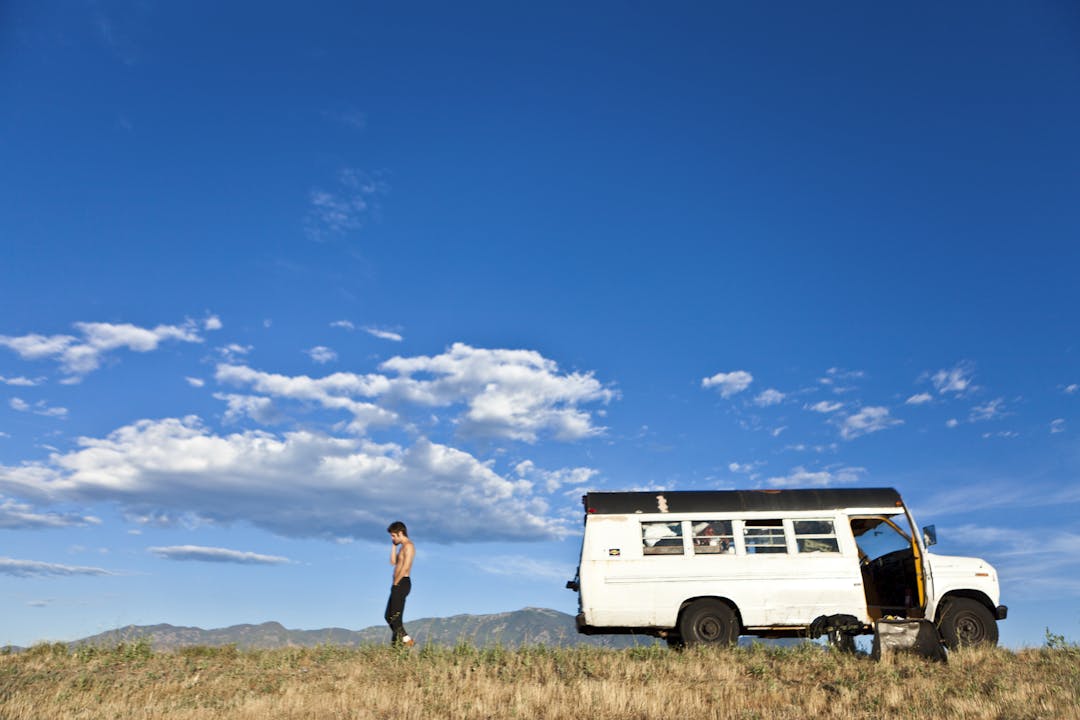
point(979, 597)
point(690, 601)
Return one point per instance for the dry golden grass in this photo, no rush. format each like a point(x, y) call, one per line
point(129, 682)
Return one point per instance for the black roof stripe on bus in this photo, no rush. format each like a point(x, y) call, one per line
point(687, 501)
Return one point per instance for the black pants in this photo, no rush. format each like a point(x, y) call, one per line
point(395, 607)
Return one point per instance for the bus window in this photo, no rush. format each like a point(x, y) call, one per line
point(662, 538)
point(713, 537)
point(815, 536)
point(764, 536)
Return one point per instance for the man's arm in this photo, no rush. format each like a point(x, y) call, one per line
point(404, 562)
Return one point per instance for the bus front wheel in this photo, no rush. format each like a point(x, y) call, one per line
point(708, 622)
point(966, 622)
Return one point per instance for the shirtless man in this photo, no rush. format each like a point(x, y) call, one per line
point(401, 556)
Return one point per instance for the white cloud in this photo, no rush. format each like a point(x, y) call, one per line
point(729, 383)
point(79, 356)
point(920, 399)
point(825, 406)
point(839, 379)
point(20, 381)
point(234, 351)
point(952, 422)
point(334, 392)
point(298, 484)
point(749, 468)
point(18, 516)
point(800, 477)
point(199, 553)
point(35, 568)
point(1070, 389)
point(321, 354)
point(195, 382)
point(334, 213)
point(384, 334)
point(990, 410)
point(552, 480)
point(1057, 426)
point(213, 322)
point(347, 325)
point(1009, 434)
point(868, 420)
point(524, 566)
point(514, 394)
point(259, 409)
point(769, 397)
point(38, 408)
point(956, 380)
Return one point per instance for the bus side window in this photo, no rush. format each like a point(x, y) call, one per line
point(713, 537)
point(815, 536)
point(764, 536)
point(661, 538)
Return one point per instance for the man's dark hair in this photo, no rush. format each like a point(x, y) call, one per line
point(396, 527)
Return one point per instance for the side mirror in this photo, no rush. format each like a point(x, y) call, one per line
point(929, 535)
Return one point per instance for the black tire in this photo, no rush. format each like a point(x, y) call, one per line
point(709, 622)
point(965, 622)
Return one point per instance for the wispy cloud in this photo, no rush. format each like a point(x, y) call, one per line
point(801, 477)
point(1071, 389)
point(552, 480)
point(919, 399)
point(20, 381)
point(825, 407)
point(38, 408)
point(868, 420)
point(84, 353)
point(729, 383)
point(1057, 426)
point(841, 381)
point(769, 397)
point(35, 568)
point(352, 118)
point(384, 334)
point(233, 352)
point(260, 409)
point(346, 324)
point(336, 212)
point(19, 516)
point(991, 410)
point(524, 566)
point(321, 354)
point(195, 382)
point(198, 553)
point(957, 380)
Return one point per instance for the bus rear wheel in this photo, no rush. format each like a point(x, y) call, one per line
point(709, 622)
point(966, 622)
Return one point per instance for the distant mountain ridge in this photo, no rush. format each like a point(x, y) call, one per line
point(529, 626)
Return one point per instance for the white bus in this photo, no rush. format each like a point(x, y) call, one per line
point(707, 567)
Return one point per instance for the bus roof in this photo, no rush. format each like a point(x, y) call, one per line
point(685, 501)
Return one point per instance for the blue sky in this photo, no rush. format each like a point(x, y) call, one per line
point(272, 278)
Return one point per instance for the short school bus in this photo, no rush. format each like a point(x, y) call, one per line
point(706, 567)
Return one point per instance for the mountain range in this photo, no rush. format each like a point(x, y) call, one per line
point(529, 626)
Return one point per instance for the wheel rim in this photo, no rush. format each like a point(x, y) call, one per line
point(710, 629)
point(969, 630)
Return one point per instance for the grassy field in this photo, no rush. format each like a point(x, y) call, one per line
point(130, 682)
